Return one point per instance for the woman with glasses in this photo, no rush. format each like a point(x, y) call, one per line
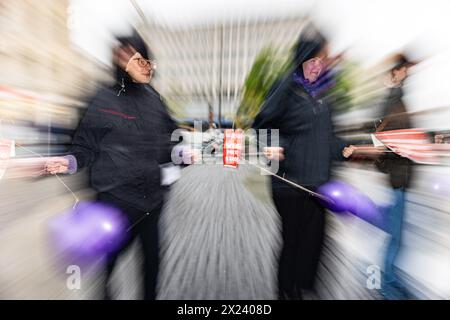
point(123, 139)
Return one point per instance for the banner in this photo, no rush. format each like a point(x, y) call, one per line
point(232, 147)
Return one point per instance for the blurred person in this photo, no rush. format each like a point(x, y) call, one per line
point(400, 171)
point(442, 138)
point(297, 107)
point(123, 139)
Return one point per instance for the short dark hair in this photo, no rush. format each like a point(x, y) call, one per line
point(137, 42)
point(400, 61)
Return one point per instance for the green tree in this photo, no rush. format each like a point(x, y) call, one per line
point(268, 66)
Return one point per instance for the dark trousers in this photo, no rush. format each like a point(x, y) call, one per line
point(303, 222)
point(145, 227)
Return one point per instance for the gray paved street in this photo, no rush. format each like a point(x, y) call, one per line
point(222, 215)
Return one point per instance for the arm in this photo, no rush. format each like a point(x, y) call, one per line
point(174, 151)
point(87, 138)
point(85, 144)
point(166, 143)
point(267, 119)
point(337, 147)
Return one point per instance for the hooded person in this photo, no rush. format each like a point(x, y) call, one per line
point(298, 108)
point(123, 138)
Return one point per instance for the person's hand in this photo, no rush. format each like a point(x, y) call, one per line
point(56, 165)
point(439, 138)
point(191, 155)
point(274, 153)
point(348, 151)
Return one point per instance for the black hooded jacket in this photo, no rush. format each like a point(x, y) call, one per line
point(304, 123)
point(123, 138)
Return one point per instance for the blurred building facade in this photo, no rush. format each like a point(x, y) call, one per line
point(43, 75)
point(206, 65)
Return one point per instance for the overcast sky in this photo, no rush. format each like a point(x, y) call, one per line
point(369, 29)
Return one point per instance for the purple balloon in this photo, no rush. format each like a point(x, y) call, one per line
point(340, 195)
point(364, 208)
point(89, 232)
point(440, 185)
point(345, 198)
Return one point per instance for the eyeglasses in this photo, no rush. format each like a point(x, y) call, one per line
point(145, 62)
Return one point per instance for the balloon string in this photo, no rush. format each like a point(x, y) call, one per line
point(286, 180)
point(292, 183)
point(140, 219)
point(73, 194)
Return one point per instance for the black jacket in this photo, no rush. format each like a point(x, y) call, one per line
point(123, 139)
point(395, 117)
point(306, 134)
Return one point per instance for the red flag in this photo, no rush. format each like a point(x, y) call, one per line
point(413, 144)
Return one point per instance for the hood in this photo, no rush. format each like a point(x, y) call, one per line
point(308, 45)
